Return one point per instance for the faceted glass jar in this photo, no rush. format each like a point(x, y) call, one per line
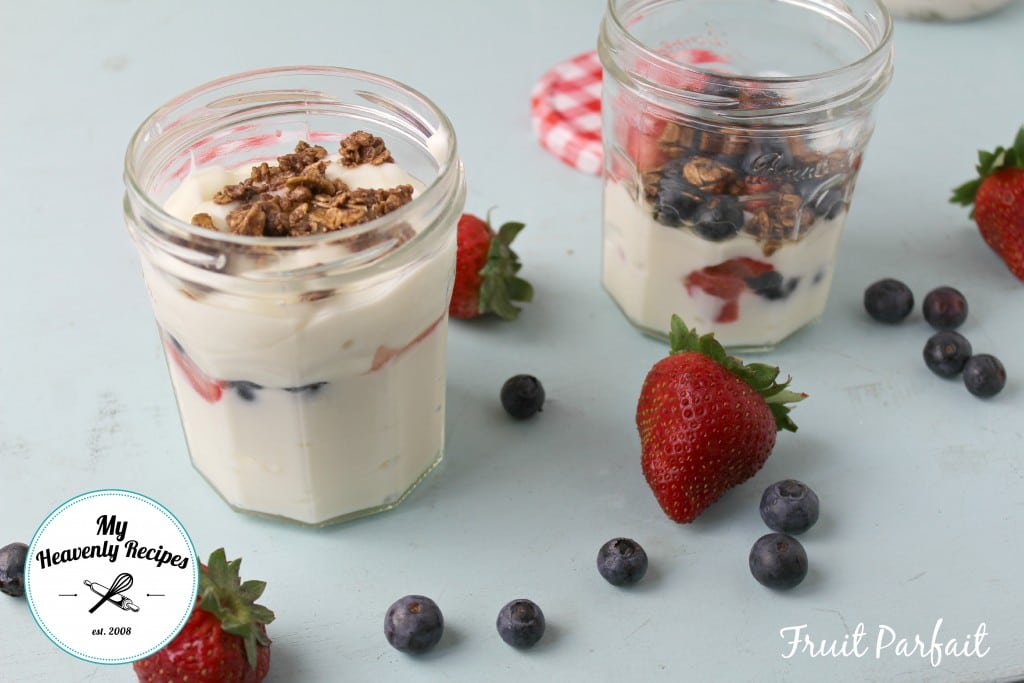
point(309, 371)
point(733, 132)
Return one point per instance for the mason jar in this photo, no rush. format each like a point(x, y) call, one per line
point(733, 131)
point(308, 369)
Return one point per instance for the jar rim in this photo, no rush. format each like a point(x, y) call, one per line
point(446, 164)
point(875, 59)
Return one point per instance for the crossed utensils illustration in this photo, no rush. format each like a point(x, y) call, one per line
point(113, 594)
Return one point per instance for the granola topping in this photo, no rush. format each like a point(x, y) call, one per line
point(295, 197)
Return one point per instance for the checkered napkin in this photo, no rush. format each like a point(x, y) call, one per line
point(566, 112)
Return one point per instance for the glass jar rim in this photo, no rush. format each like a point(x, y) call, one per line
point(878, 56)
point(448, 163)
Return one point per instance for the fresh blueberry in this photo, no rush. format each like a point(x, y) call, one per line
point(946, 353)
point(522, 396)
point(622, 561)
point(771, 285)
point(413, 624)
point(789, 506)
point(778, 560)
point(719, 218)
point(945, 308)
point(12, 569)
point(676, 200)
point(246, 390)
point(308, 389)
point(984, 375)
point(521, 623)
point(767, 159)
point(888, 300)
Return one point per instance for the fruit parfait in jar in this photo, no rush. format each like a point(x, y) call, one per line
point(296, 229)
point(733, 134)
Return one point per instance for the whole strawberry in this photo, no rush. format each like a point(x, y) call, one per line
point(485, 271)
point(707, 422)
point(998, 197)
point(225, 640)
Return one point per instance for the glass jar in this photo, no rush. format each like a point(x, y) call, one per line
point(309, 371)
point(733, 132)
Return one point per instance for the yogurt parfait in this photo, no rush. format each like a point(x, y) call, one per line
point(730, 157)
point(300, 279)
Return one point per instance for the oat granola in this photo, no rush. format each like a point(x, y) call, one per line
point(295, 197)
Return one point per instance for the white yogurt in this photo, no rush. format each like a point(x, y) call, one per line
point(645, 266)
point(348, 414)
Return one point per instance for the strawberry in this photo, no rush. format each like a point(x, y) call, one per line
point(485, 271)
point(225, 640)
point(210, 389)
point(707, 422)
point(998, 197)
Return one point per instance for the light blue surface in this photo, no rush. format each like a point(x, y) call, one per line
point(921, 484)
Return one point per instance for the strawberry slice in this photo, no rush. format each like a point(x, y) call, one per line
point(210, 389)
point(726, 281)
point(386, 354)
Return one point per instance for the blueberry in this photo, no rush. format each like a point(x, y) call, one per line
point(246, 390)
point(945, 308)
point(12, 569)
point(520, 623)
point(778, 561)
point(522, 396)
point(946, 353)
point(789, 506)
point(676, 200)
point(719, 218)
point(984, 375)
point(308, 389)
point(413, 624)
point(622, 561)
point(888, 301)
point(767, 159)
point(771, 285)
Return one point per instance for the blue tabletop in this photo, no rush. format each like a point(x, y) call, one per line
point(921, 485)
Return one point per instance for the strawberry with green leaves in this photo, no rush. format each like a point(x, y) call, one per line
point(998, 198)
point(486, 280)
point(225, 639)
point(707, 422)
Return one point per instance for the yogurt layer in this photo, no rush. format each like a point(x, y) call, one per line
point(653, 271)
point(317, 407)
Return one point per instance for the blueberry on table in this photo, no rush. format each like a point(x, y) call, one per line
point(622, 561)
point(522, 396)
point(413, 624)
point(789, 506)
point(520, 623)
point(984, 375)
point(719, 218)
point(946, 353)
point(945, 308)
point(778, 560)
point(12, 569)
point(888, 300)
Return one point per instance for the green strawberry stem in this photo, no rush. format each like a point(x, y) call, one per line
point(501, 286)
point(222, 593)
point(989, 163)
point(758, 375)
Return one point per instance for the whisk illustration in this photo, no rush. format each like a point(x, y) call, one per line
point(122, 582)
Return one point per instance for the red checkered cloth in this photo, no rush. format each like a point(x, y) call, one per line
point(566, 112)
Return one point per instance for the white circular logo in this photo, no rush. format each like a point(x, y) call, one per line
point(111, 576)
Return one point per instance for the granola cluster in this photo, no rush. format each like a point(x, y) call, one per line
point(295, 197)
point(726, 182)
